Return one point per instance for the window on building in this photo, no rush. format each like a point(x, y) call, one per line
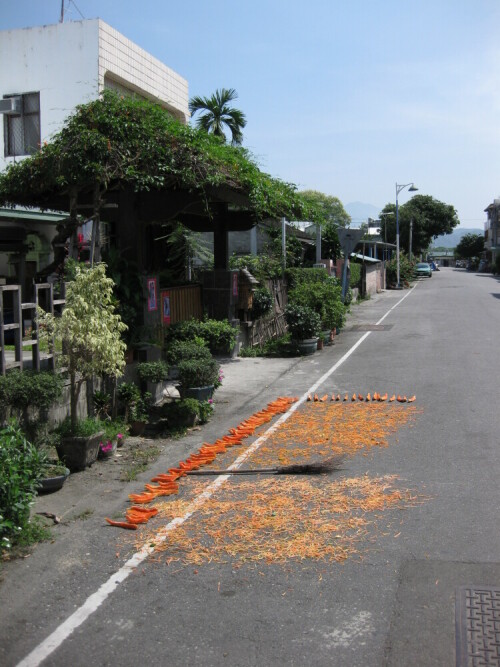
point(22, 131)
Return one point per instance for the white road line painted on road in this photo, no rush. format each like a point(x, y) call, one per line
point(94, 601)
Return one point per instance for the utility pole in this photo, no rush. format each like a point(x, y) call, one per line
point(61, 20)
point(411, 233)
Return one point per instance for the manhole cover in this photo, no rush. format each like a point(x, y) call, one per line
point(477, 626)
point(372, 327)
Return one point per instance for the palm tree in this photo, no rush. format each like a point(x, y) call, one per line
point(219, 115)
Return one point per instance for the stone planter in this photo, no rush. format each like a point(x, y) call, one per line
point(78, 452)
point(307, 346)
point(199, 393)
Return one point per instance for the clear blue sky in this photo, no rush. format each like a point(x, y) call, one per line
point(346, 97)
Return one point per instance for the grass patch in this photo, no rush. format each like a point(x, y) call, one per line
point(140, 456)
point(35, 531)
point(83, 515)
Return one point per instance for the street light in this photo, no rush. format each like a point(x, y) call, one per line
point(400, 187)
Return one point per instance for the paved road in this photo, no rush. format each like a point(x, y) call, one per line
point(395, 606)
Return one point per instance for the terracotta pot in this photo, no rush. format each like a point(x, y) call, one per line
point(137, 428)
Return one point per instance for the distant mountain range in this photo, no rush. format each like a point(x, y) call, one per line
point(360, 212)
point(453, 239)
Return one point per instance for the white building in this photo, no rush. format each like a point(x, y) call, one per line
point(46, 72)
point(50, 69)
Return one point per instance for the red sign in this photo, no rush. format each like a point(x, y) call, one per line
point(165, 307)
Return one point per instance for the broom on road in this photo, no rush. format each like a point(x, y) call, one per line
point(321, 468)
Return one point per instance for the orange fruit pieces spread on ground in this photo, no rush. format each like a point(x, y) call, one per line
point(392, 398)
point(410, 400)
point(383, 398)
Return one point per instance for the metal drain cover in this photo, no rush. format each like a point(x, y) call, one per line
point(477, 626)
point(371, 327)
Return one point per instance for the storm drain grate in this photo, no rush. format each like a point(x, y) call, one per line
point(477, 626)
point(372, 327)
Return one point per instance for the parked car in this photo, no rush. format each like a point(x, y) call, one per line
point(423, 269)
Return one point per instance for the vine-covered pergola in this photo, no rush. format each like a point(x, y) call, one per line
point(127, 161)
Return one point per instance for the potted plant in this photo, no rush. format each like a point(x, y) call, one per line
point(78, 446)
point(182, 413)
point(304, 325)
point(139, 414)
point(179, 350)
point(198, 378)
point(54, 474)
point(90, 331)
point(136, 406)
point(113, 438)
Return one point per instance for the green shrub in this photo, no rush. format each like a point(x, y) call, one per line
point(355, 275)
point(324, 297)
point(154, 371)
point(198, 372)
point(262, 302)
point(179, 350)
point(297, 276)
point(19, 390)
point(21, 469)
point(262, 267)
point(303, 322)
point(84, 427)
point(406, 270)
point(219, 335)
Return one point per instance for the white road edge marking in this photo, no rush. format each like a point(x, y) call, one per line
point(94, 601)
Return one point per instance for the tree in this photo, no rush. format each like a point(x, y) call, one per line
point(329, 208)
point(427, 218)
point(218, 115)
point(471, 245)
point(331, 214)
point(89, 330)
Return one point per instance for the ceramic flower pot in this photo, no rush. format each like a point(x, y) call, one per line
point(307, 346)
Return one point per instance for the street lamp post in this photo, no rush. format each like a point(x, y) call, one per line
point(400, 187)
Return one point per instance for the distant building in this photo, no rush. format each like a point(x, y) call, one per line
point(491, 232)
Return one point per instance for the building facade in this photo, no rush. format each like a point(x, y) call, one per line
point(491, 232)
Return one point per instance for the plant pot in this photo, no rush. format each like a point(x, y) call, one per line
point(199, 393)
point(320, 343)
point(120, 441)
point(51, 484)
point(188, 419)
point(137, 428)
point(78, 452)
point(102, 455)
point(307, 346)
point(327, 336)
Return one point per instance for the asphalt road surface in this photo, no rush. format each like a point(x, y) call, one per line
point(85, 599)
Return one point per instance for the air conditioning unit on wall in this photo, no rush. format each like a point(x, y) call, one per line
point(11, 106)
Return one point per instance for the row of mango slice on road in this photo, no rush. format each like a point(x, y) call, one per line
point(166, 484)
point(360, 397)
